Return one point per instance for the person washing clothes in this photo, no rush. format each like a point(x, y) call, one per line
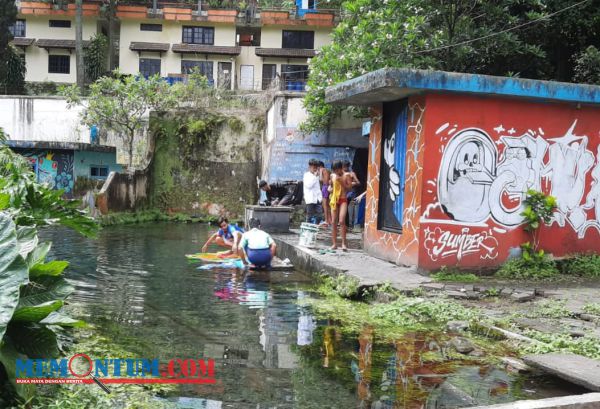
point(256, 246)
point(227, 236)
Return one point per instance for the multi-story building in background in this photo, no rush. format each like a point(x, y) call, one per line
point(250, 49)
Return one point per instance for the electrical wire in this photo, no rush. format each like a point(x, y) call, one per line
point(502, 31)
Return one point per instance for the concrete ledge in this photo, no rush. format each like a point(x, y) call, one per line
point(368, 270)
point(587, 401)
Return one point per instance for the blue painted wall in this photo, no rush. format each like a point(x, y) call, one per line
point(289, 158)
point(84, 159)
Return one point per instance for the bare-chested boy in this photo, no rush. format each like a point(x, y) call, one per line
point(324, 178)
point(341, 183)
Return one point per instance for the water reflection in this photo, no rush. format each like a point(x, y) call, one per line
point(135, 286)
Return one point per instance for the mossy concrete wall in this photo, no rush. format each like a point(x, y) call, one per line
point(205, 163)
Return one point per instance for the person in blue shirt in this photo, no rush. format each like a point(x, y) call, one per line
point(257, 246)
point(227, 236)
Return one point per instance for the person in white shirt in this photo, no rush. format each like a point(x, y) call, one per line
point(312, 192)
point(257, 247)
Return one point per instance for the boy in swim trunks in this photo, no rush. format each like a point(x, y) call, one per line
point(227, 236)
point(341, 183)
point(324, 178)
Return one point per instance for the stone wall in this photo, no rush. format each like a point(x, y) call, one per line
point(123, 192)
point(205, 163)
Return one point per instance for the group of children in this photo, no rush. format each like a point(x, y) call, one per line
point(255, 247)
point(333, 191)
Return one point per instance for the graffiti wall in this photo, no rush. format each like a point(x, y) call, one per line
point(52, 167)
point(399, 244)
point(483, 155)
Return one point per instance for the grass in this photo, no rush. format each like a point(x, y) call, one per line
point(548, 309)
point(451, 276)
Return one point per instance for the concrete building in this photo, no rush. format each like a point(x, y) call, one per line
point(252, 49)
point(59, 148)
point(452, 156)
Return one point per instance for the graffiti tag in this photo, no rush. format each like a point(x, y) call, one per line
point(442, 244)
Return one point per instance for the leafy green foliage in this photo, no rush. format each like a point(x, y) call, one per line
point(95, 55)
point(556, 342)
point(13, 271)
point(430, 34)
point(534, 263)
point(447, 275)
point(340, 285)
point(587, 66)
point(548, 309)
point(586, 265)
point(535, 268)
point(12, 72)
point(592, 308)
point(539, 208)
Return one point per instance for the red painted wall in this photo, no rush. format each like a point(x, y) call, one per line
point(481, 156)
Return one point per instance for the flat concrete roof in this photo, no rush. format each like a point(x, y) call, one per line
point(55, 145)
point(390, 84)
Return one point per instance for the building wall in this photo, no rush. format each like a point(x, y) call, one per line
point(172, 34)
point(286, 150)
point(272, 36)
point(476, 159)
point(398, 248)
point(36, 59)
point(53, 167)
point(83, 160)
point(42, 119)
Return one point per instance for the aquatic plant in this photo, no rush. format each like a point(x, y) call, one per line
point(592, 308)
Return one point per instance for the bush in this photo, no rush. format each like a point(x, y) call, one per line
point(535, 268)
point(586, 265)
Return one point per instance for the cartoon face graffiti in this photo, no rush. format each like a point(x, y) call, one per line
point(469, 159)
point(467, 170)
point(389, 157)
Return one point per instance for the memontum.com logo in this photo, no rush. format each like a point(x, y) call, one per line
point(82, 369)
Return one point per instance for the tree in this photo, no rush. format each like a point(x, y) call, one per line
point(121, 104)
point(12, 69)
point(95, 57)
point(587, 66)
point(79, 62)
point(504, 37)
point(12, 72)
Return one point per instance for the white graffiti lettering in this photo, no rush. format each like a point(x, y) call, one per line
point(442, 244)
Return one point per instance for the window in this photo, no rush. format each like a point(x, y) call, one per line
point(18, 29)
point(98, 172)
point(294, 76)
point(150, 27)
point(204, 67)
point(298, 39)
point(60, 23)
point(149, 66)
point(59, 64)
point(269, 73)
point(198, 35)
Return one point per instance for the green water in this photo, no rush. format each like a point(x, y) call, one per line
point(134, 285)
